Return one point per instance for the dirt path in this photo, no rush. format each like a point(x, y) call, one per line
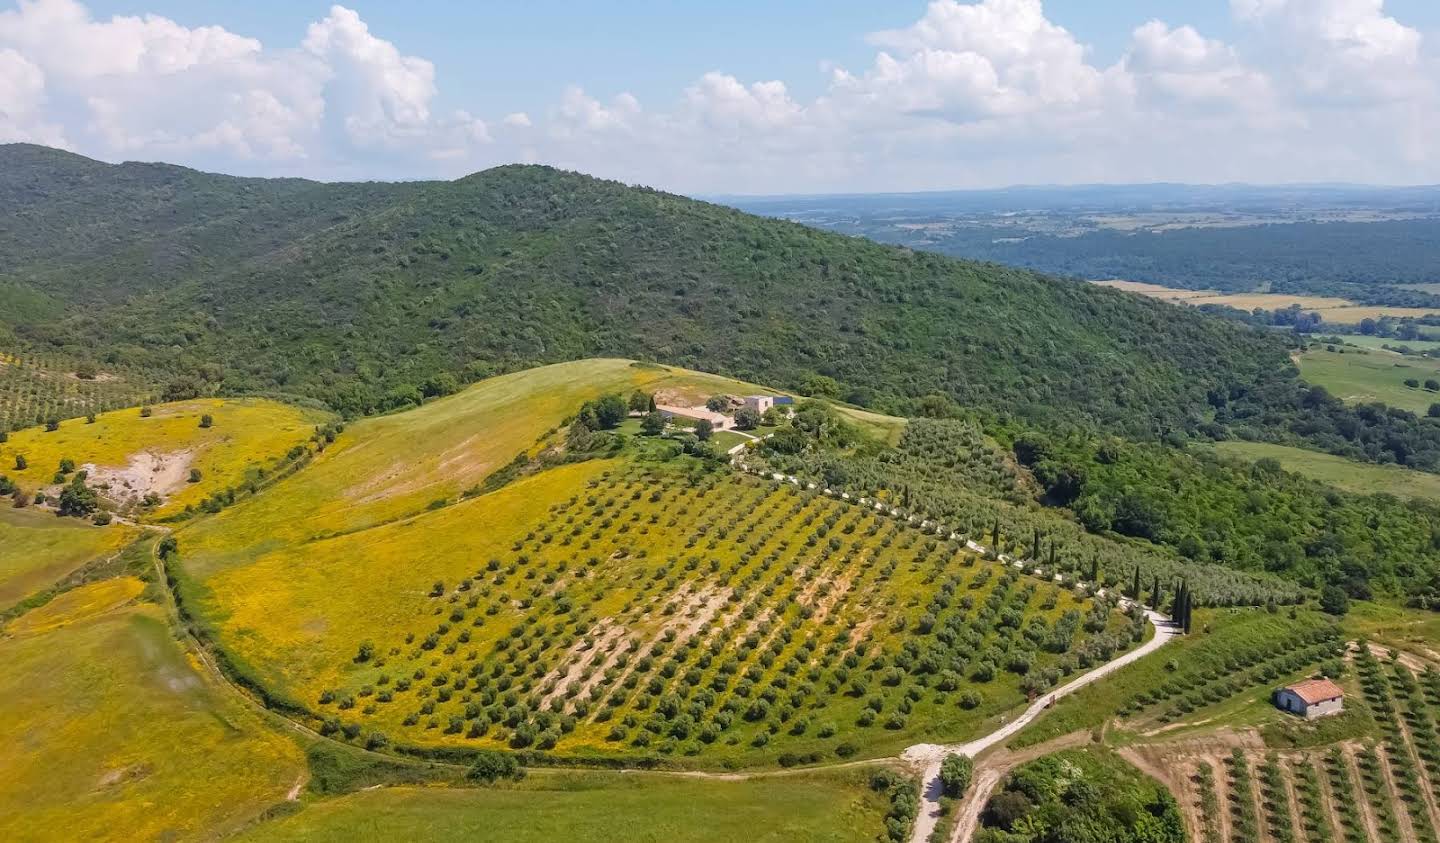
point(975, 801)
point(931, 755)
point(1222, 796)
point(993, 769)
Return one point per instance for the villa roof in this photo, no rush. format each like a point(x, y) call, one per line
point(1316, 690)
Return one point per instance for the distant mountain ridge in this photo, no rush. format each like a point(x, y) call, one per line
point(368, 295)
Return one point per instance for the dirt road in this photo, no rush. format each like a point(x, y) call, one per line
point(931, 755)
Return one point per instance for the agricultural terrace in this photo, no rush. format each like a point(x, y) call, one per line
point(103, 715)
point(35, 390)
point(1371, 775)
point(160, 461)
point(619, 608)
point(40, 549)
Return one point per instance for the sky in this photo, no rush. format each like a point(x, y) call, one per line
point(805, 96)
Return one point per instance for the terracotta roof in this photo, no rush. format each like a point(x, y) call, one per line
point(1316, 690)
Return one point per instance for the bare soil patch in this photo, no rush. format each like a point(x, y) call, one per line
point(148, 472)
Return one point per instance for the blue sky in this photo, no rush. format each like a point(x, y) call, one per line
point(652, 49)
point(740, 96)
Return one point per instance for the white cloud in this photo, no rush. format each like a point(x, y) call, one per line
point(965, 61)
point(22, 96)
point(979, 92)
point(1182, 65)
point(1345, 51)
point(150, 87)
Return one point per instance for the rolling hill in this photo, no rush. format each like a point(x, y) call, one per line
point(369, 296)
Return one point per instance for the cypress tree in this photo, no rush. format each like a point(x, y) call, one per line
point(1052, 554)
point(995, 536)
point(1095, 570)
point(1155, 594)
point(1135, 586)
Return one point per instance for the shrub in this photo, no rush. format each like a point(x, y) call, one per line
point(491, 766)
point(955, 773)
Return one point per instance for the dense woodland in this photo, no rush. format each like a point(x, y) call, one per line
point(361, 295)
point(1251, 517)
point(1362, 261)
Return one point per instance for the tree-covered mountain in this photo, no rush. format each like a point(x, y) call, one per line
point(367, 295)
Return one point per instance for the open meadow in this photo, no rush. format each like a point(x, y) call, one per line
point(591, 807)
point(1350, 475)
point(1359, 376)
point(1334, 310)
point(40, 549)
point(105, 725)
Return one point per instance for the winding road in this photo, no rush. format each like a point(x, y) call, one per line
point(931, 755)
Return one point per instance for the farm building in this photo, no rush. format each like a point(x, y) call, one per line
point(1311, 698)
point(759, 403)
point(719, 421)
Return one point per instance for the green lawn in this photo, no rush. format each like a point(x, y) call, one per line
point(581, 807)
point(1364, 478)
point(724, 440)
point(1358, 376)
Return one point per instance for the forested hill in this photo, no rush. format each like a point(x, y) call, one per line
point(365, 295)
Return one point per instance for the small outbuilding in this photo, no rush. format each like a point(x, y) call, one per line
point(759, 403)
point(1311, 698)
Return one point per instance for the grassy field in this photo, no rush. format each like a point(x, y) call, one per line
point(40, 549)
point(128, 454)
point(78, 605)
point(584, 807)
point(1357, 376)
point(1334, 310)
point(1379, 343)
point(107, 731)
point(1396, 626)
point(1364, 478)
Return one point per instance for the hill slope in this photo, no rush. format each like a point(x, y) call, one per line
point(360, 294)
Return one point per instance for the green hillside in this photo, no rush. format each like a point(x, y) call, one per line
point(362, 294)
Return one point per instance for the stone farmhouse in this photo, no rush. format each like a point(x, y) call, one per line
point(1311, 698)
